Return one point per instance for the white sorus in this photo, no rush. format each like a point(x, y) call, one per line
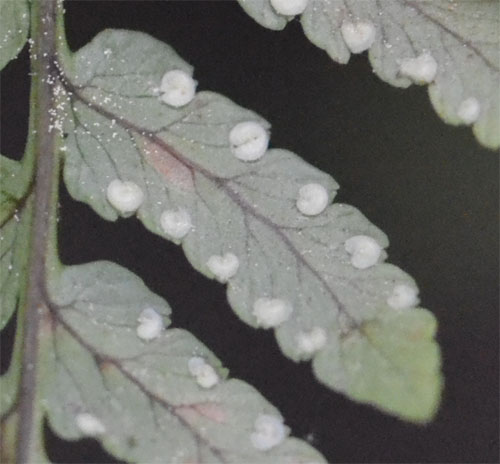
point(403, 296)
point(421, 70)
point(89, 424)
point(289, 7)
point(223, 267)
point(269, 432)
point(358, 36)
point(248, 140)
point(205, 374)
point(126, 197)
point(311, 341)
point(469, 110)
point(271, 312)
point(312, 200)
point(178, 88)
point(176, 223)
point(364, 251)
point(150, 324)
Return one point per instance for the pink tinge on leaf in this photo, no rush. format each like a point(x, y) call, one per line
point(187, 413)
point(209, 410)
point(212, 411)
point(174, 172)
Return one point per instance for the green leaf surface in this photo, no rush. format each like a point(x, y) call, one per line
point(15, 220)
point(392, 360)
point(8, 438)
point(14, 24)
point(14, 235)
point(139, 397)
point(15, 184)
point(181, 158)
point(9, 383)
point(10, 193)
point(461, 35)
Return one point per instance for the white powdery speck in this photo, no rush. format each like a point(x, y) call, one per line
point(150, 324)
point(223, 267)
point(312, 200)
point(126, 197)
point(89, 424)
point(289, 7)
point(358, 36)
point(469, 110)
point(421, 70)
point(402, 297)
point(364, 251)
point(269, 432)
point(176, 223)
point(248, 140)
point(311, 341)
point(178, 88)
point(205, 374)
point(271, 312)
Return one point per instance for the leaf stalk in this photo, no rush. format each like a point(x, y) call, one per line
point(42, 255)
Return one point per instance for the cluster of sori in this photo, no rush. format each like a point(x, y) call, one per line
point(360, 35)
point(248, 142)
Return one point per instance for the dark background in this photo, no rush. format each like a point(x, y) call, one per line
point(429, 186)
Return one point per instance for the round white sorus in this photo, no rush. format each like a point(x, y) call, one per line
point(311, 341)
point(469, 110)
point(312, 200)
point(364, 251)
point(223, 267)
point(248, 140)
point(178, 88)
point(271, 312)
point(195, 365)
point(89, 424)
point(150, 324)
point(358, 36)
point(289, 7)
point(207, 377)
point(269, 432)
point(421, 70)
point(403, 296)
point(126, 197)
point(176, 223)
point(205, 374)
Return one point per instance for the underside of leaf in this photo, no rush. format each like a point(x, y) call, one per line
point(140, 397)
point(15, 221)
point(14, 23)
point(316, 275)
point(461, 36)
point(16, 206)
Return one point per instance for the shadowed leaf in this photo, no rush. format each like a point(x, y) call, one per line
point(461, 36)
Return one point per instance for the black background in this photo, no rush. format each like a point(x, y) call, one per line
point(429, 186)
